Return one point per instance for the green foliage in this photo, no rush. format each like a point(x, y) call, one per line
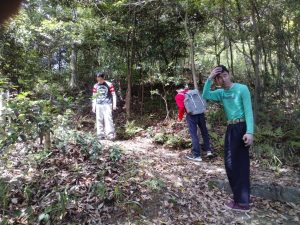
point(118, 193)
point(160, 138)
point(41, 155)
point(175, 141)
point(4, 195)
point(99, 189)
point(88, 143)
point(58, 209)
point(276, 145)
point(215, 115)
point(129, 130)
point(65, 135)
point(154, 184)
point(115, 153)
point(28, 192)
point(28, 120)
point(217, 140)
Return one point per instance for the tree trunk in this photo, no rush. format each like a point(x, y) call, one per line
point(129, 75)
point(256, 60)
point(166, 103)
point(73, 66)
point(192, 51)
point(2, 116)
point(142, 92)
point(231, 58)
point(47, 136)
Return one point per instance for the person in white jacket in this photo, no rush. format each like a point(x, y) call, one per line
point(104, 101)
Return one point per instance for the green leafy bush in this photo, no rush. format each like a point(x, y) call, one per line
point(276, 145)
point(175, 141)
point(154, 184)
point(129, 130)
point(160, 138)
point(115, 153)
point(99, 189)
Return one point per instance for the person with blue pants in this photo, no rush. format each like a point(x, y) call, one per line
point(193, 121)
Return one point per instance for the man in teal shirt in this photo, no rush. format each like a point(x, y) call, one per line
point(236, 101)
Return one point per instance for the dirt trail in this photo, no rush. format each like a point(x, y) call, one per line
point(187, 196)
point(158, 186)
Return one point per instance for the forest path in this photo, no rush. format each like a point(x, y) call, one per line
point(147, 184)
point(187, 197)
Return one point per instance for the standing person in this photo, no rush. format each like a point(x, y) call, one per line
point(104, 101)
point(236, 100)
point(193, 122)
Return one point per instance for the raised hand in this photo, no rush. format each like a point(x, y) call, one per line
point(215, 72)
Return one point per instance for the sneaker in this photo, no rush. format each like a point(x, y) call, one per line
point(110, 138)
point(209, 154)
point(237, 207)
point(194, 158)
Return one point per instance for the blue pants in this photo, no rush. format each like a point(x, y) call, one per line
point(193, 121)
point(237, 163)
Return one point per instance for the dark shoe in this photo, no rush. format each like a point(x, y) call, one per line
point(237, 207)
point(194, 158)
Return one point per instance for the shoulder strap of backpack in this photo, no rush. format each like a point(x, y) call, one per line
point(191, 99)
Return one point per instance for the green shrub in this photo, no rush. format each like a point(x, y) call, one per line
point(88, 143)
point(99, 189)
point(129, 130)
point(177, 141)
point(4, 195)
point(154, 184)
point(115, 153)
point(160, 138)
point(276, 145)
point(172, 140)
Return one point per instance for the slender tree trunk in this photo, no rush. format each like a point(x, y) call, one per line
point(2, 116)
point(142, 92)
point(164, 97)
point(47, 136)
point(128, 91)
point(192, 51)
point(216, 49)
point(256, 60)
point(242, 37)
point(193, 64)
point(271, 63)
point(129, 76)
point(231, 58)
point(73, 66)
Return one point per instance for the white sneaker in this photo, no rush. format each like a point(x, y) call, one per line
point(209, 153)
point(194, 158)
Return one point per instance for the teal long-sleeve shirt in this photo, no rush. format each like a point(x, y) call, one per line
point(236, 102)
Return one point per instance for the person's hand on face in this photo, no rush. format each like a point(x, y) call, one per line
point(216, 71)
